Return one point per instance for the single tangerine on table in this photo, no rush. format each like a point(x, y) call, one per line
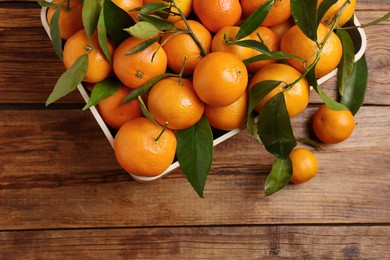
point(294, 41)
point(99, 68)
point(304, 165)
point(178, 46)
point(220, 79)
point(174, 100)
point(296, 97)
point(136, 69)
point(216, 14)
point(116, 114)
point(334, 9)
point(270, 39)
point(128, 5)
point(142, 150)
point(70, 20)
point(229, 117)
point(223, 39)
point(280, 10)
point(333, 126)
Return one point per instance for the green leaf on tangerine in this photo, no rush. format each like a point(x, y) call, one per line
point(345, 67)
point(103, 90)
point(55, 32)
point(274, 127)
point(90, 14)
point(142, 46)
point(102, 36)
point(43, 3)
point(145, 111)
point(305, 16)
point(279, 176)
point(355, 90)
point(332, 104)
point(195, 153)
point(274, 55)
point(158, 22)
point(153, 7)
point(254, 20)
point(256, 45)
point(69, 79)
point(142, 30)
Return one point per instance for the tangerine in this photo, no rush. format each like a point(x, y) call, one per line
point(334, 9)
point(128, 5)
point(304, 165)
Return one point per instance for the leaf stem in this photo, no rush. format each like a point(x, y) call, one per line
point(191, 33)
point(182, 69)
point(161, 133)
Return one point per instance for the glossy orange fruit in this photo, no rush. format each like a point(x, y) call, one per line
point(296, 42)
point(174, 100)
point(78, 44)
point(220, 79)
point(70, 20)
point(136, 69)
point(223, 39)
point(184, 5)
point(280, 10)
point(281, 28)
point(182, 45)
point(141, 151)
point(114, 113)
point(304, 165)
point(128, 5)
point(216, 14)
point(334, 9)
point(331, 126)
point(228, 117)
point(296, 97)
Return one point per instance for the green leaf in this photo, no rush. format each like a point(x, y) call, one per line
point(274, 127)
point(69, 79)
point(311, 76)
point(279, 176)
point(142, 30)
point(103, 90)
point(153, 7)
point(145, 111)
point(55, 32)
point(142, 46)
point(256, 45)
point(346, 64)
point(102, 36)
point(43, 3)
point(195, 153)
point(332, 104)
point(116, 20)
point(381, 19)
point(160, 23)
point(275, 55)
point(323, 8)
point(256, 94)
point(90, 14)
point(145, 87)
point(254, 20)
point(355, 90)
point(305, 16)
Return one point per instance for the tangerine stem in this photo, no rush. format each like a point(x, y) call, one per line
point(182, 69)
point(191, 33)
point(161, 133)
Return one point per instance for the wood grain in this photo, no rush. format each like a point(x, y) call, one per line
point(255, 242)
point(82, 185)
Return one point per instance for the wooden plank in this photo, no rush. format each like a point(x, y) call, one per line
point(58, 171)
point(250, 242)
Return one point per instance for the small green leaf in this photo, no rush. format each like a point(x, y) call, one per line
point(311, 76)
point(145, 111)
point(195, 153)
point(102, 36)
point(55, 32)
point(160, 23)
point(145, 87)
point(279, 176)
point(115, 20)
point(43, 3)
point(355, 90)
point(346, 64)
point(275, 55)
point(69, 79)
point(256, 45)
point(103, 90)
point(254, 20)
point(90, 14)
point(274, 127)
point(323, 8)
point(332, 104)
point(153, 7)
point(305, 16)
point(142, 46)
point(142, 30)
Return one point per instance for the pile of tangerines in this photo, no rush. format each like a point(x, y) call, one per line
point(205, 75)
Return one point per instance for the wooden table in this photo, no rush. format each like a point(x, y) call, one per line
point(62, 194)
